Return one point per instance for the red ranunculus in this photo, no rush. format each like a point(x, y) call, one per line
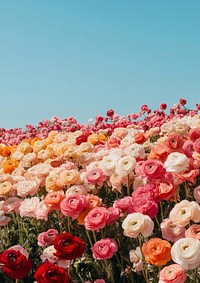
point(68, 246)
point(51, 273)
point(14, 264)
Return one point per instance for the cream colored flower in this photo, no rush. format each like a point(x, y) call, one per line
point(185, 211)
point(137, 223)
point(176, 162)
point(186, 253)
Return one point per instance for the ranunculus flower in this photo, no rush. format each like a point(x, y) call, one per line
point(95, 176)
point(193, 231)
point(136, 223)
point(113, 214)
point(171, 232)
point(124, 204)
point(104, 248)
point(28, 206)
point(46, 239)
point(73, 204)
point(51, 273)
point(145, 206)
point(176, 162)
point(136, 259)
point(172, 273)
point(15, 264)
point(186, 253)
point(157, 251)
point(53, 199)
point(96, 219)
point(125, 165)
point(185, 211)
point(68, 246)
point(174, 142)
point(152, 169)
point(196, 193)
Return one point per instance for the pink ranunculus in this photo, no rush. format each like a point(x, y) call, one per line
point(99, 281)
point(10, 205)
point(193, 231)
point(188, 148)
point(95, 176)
point(174, 142)
point(145, 206)
point(27, 207)
point(113, 214)
point(196, 145)
point(147, 190)
point(46, 239)
point(194, 134)
point(171, 232)
point(96, 219)
point(152, 169)
point(104, 249)
point(172, 273)
point(4, 220)
point(42, 211)
point(73, 204)
point(125, 204)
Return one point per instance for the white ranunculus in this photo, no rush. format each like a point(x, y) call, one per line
point(137, 223)
point(108, 163)
point(186, 253)
point(125, 165)
point(176, 162)
point(135, 150)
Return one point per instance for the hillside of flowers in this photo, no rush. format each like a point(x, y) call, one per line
point(111, 201)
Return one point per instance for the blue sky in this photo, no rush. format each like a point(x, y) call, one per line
point(80, 58)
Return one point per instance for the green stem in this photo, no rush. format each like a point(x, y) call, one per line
point(94, 235)
point(88, 235)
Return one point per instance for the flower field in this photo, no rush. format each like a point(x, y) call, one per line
point(114, 200)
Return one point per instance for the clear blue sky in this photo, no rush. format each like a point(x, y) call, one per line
point(82, 57)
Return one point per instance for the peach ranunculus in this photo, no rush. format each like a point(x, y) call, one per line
point(68, 177)
point(176, 162)
point(193, 231)
point(42, 211)
point(77, 189)
point(157, 251)
point(186, 253)
point(185, 211)
point(136, 223)
point(11, 204)
point(5, 188)
point(171, 232)
point(53, 199)
point(172, 273)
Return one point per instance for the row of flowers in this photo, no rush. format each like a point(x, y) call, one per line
point(108, 202)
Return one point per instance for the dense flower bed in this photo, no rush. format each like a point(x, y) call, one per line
point(116, 200)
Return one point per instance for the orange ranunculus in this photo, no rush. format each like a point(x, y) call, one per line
point(10, 165)
point(102, 137)
point(5, 151)
point(157, 251)
point(139, 137)
point(93, 202)
point(34, 140)
point(159, 151)
point(93, 139)
point(52, 199)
